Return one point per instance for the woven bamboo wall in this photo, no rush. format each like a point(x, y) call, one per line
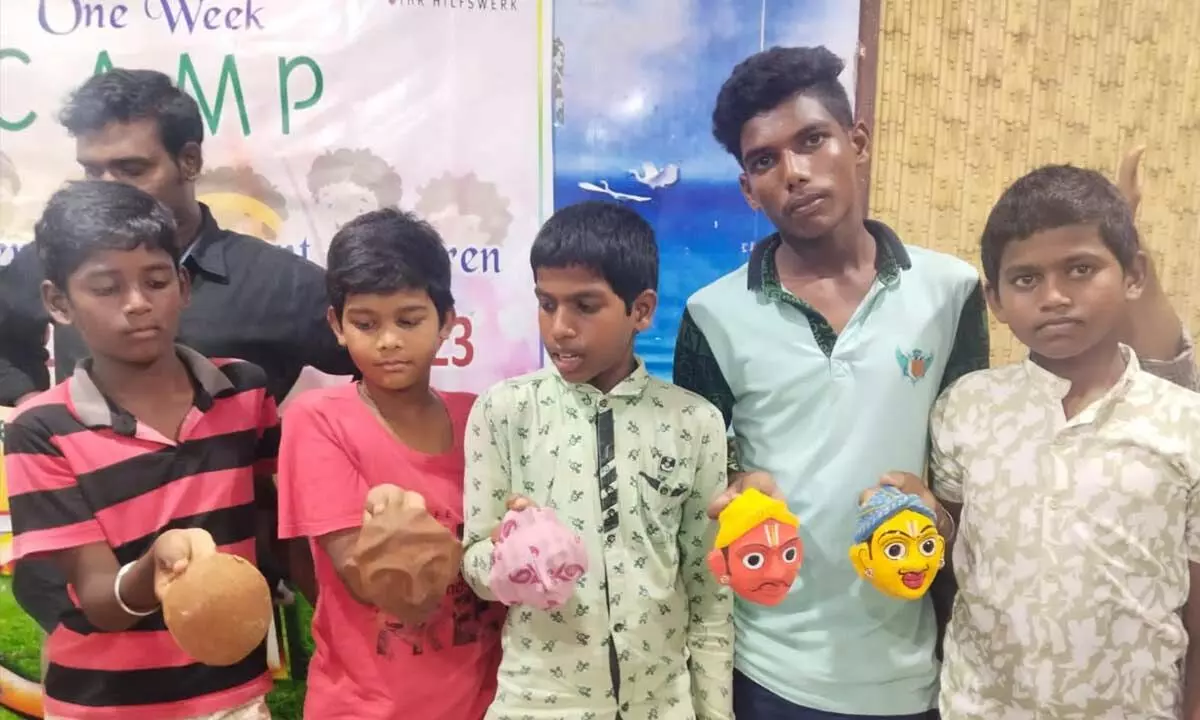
point(973, 93)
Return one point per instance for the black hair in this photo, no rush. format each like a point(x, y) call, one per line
point(765, 80)
point(123, 96)
point(613, 241)
point(1056, 196)
point(384, 251)
point(91, 216)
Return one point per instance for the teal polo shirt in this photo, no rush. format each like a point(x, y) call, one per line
point(827, 414)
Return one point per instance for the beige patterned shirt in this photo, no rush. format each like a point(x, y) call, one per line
point(1073, 551)
point(648, 633)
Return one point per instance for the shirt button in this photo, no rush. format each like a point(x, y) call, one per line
point(619, 627)
point(1053, 504)
point(603, 403)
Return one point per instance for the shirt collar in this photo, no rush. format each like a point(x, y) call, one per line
point(95, 410)
point(890, 258)
point(631, 387)
point(1056, 387)
point(206, 253)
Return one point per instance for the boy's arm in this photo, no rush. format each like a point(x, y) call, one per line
point(51, 519)
point(1180, 368)
point(486, 488)
point(279, 559)
point(321, 492)
point(710, 606)
point(1191, 613)
point(970, 352)
point(1191, 621)
point(946, 478)
point(1153, 328)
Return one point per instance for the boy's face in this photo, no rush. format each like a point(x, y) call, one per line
point(1062, 291)
point(800, 167)
point(585, 327)
point(125, 304)
point(392, 337)
point(133, 153)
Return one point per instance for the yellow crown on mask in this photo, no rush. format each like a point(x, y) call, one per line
point(748, 509)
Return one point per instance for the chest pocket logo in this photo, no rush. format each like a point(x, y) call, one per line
point(914, 365)
point(661, 502)
point(664, 484)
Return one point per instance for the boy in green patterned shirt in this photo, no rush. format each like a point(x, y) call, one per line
point(629, 463)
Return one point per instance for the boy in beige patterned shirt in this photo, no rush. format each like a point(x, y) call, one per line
point(1077, 476)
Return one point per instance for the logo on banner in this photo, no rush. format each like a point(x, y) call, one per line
point(484, 5)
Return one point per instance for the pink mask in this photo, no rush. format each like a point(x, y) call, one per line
point(537, 560)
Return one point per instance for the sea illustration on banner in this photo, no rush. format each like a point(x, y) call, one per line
point(632, 90)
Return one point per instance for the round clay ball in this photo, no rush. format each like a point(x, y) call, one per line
point(218, 609)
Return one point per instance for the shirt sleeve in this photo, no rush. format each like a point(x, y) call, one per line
point(266, 461)
point(972, 344)
point(946, 473)
point(1180, 370)
point(487, 485)
point(696, 369)
point(321, 489)
point(710, 624)
point(1192, 528)
point(48, 510)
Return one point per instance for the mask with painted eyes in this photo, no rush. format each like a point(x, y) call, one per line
point(537, 561)
point(758, 549)
point(897, 547)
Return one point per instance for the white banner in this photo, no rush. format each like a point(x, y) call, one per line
point(316, 112)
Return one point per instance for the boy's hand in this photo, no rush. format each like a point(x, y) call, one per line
point(380, 497)
point(174, 550)
point(738, 482)
point(514, 502)
point(906, 483)
point(1129, 177)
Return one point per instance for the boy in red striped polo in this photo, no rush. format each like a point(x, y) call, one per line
point(145, 459)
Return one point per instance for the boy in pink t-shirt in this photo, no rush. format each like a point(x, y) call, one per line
point(389, 284)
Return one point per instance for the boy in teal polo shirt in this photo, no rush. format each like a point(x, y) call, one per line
point(825, 354)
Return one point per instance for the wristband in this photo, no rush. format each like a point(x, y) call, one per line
point(117, 594)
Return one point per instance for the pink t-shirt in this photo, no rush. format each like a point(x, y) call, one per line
point(367, 665)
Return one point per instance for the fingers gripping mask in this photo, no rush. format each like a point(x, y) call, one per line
point(897, 547)
point(758, 549)
point(537, 560)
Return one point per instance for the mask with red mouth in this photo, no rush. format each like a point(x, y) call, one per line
point(897, 547)
point(758, 549)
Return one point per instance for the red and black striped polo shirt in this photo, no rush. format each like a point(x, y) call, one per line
point(82, 470)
